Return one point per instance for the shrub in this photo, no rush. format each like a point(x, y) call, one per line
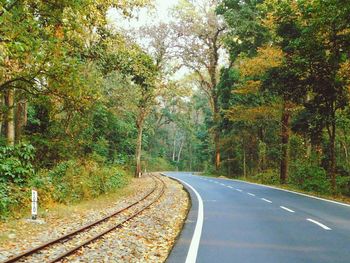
point(15, 163)
point(67, 182)
point(5, 200)
point(77, 180)
point(117, 180)
point(267, 177)
point(343, 185)
point(157, 164)
point(309, 177)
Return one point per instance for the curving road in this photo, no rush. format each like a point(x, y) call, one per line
point(245, 222)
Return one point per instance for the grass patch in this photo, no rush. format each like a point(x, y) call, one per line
point(63, 213)
point(68, 183)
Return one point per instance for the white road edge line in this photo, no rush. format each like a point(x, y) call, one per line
point(193, 250)
point(223, 184)
point(319, 224)
point(266, 200)
point(287, 209)
point(251, 194)
point(289, 191)
point(230, 187)
point(239, 190)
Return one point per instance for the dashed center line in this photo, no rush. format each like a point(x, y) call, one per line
point(319, 224)
point(266, 200)
point(287, 209)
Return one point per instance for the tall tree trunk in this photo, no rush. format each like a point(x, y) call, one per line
point(244, 163)
point(332, 157)
point(285, 134)
point(2, 121)
point(21, 119)
point(216, 132)
point(217, 150)
point(190, 153)
point(10, 128)
point(306, 139)
point(174, 147)
point(138, 149)
point(345, 147)
point(180, 150)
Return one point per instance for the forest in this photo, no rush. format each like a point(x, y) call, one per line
point(249, 89)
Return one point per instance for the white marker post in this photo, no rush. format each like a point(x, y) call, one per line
point(34, 204)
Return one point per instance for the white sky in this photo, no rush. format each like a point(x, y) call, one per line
point(146, 16)
point(143, 16)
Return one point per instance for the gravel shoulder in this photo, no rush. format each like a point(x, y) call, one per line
point(147, 238)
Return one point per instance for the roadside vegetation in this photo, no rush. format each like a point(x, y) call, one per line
point(264, 96)
point(271, 96)
point(74, 97)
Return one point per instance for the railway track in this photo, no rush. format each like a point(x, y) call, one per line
point(51, 251)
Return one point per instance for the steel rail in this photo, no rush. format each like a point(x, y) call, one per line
point(74, 249)
point(81, 229)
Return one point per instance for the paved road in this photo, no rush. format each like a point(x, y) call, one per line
point(251, 223)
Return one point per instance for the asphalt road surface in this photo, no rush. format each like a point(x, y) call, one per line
point(242, 222)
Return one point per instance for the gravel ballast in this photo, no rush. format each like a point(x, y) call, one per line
point(146, 238)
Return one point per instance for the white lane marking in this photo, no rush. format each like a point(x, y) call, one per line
point(223, 184)
point(266, 200)
point(251, 194)
point(230, 187)
point(193, 250)
point(287, 209)
point(216, 182)
point(319, 224)
point(289, 191)
point(239, 190)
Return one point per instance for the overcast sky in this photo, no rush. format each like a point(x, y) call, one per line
point(144, 16)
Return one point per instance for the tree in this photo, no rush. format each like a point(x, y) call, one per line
point(330, 34)
point(198, 39)
point(315, 43)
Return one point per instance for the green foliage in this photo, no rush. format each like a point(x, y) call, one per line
point(267, 177)
point(82, 94)
point(15, 163)
point(309, 177)
point(343, 184)
point(155, 164)
point(75, 181)
point(5, 200)
point(306, 85)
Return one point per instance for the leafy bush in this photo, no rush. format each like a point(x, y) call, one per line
point(74, 181)
point(343, 184)
point(157, 164)
point(5, 200)
point(267, 177)
point(309, 177)
point(15, 163)
point(117, 180)
point(60, 170)
point(68, 182)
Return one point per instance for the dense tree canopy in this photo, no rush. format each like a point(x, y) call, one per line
point(258, 89)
